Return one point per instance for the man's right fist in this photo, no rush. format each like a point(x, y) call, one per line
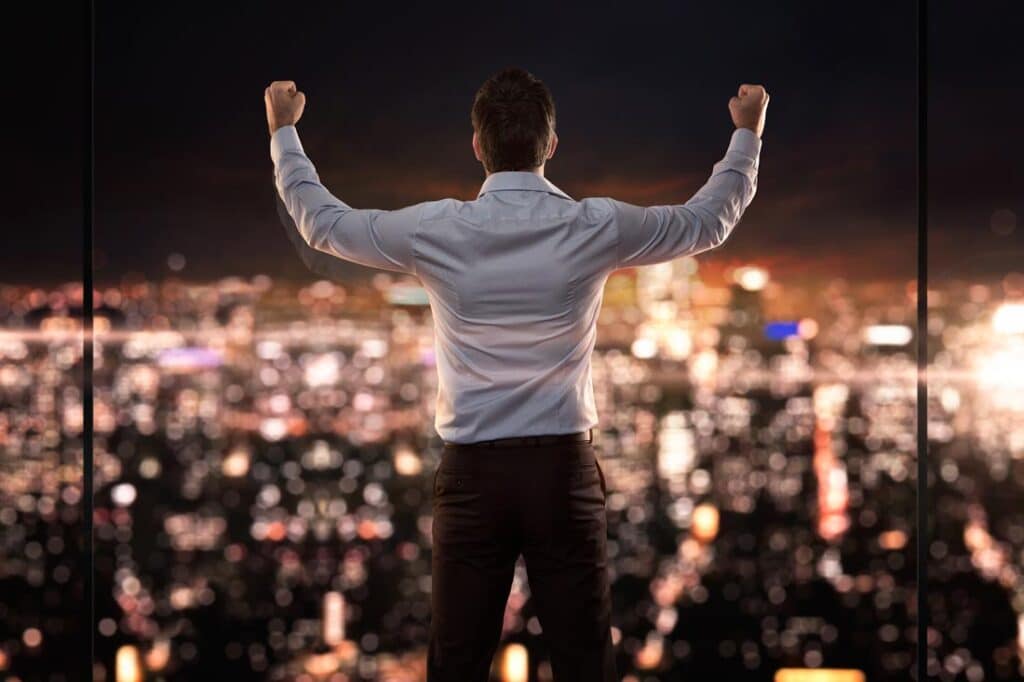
point(284, 104)
point(748, 108)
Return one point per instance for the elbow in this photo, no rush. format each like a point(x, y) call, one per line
point(722, 231)
point(317, 228)
point(316, 238)
point(716, 231)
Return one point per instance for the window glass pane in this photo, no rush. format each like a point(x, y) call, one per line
point(976, 325)
point(41, 417)
point(266, 413)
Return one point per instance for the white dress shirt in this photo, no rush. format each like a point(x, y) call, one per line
point(515, 277)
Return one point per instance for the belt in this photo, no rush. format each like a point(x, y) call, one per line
point(528, 441)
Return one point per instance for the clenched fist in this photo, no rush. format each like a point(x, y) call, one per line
point(748, 108)
point(284, 104)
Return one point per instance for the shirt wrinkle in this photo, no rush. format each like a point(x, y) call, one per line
point(515, 278)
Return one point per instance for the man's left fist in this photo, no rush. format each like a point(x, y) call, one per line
point(284, 104)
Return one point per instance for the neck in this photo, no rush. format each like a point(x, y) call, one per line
point(539, 171)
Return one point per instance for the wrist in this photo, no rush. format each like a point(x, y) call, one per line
point(283, 140)
point(277, 125)
point(751, 128)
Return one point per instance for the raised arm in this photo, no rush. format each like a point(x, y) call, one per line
point(376, 238)
point(654, 234)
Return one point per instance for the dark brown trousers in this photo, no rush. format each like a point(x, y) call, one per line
point(493, 504)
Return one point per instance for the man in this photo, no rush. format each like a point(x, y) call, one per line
point(515, 280)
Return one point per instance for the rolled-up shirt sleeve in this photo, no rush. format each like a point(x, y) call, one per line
point(655, 234)
point(372, 237)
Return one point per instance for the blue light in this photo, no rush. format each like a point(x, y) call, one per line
point(779, 331)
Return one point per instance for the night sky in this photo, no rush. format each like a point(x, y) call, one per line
point(182, 162)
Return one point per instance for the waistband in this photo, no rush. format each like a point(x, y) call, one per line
point(526, 441)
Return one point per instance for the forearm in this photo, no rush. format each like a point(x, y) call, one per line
point(719, 204)
point(371, 237)
point(311, 206)
point(655, 234)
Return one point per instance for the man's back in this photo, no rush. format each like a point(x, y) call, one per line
point(515, 277)
point(515, 281)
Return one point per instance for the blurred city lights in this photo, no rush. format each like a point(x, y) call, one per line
point(123, 494)
point(128, 667)
point(282, 492)
point(407, 462)
point(1009, 319)
point(751, 278)
point(888, 335)
point(158, 655)
point(644, 348)
point(777, 331)
point(236, 463)
point(515, 664)
point(323, 370)
point(818, 675)
point(705, 523)
point(334, 618)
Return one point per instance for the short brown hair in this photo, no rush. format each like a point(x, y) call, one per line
point(514, 118)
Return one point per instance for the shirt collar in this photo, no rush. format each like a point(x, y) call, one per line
point(519, 180)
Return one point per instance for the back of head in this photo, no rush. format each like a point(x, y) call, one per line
point(514, 119)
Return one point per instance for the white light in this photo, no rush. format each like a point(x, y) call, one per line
point(807, 328)
point(123, 494)
point(407, 463)
point(279, 403)
point(322, 371)
point(676, 446)
point(127, 666)
point(375, 348)
point(236, 464)
point(1009, 319)
point(334, 618)
point(268, 350)
point(273, 429)
point(1020, 633)
point(644, 348)
point(515, 664)
point(751, 278)
point(705, 523)
point(704, 366)
point(888, 335)
point(680, 343)
point(1001, 374)
point(363, 401)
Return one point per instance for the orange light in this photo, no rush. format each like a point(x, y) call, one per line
point(367, 529)
point(705, 523)
point(650, 655)
point(127, 666)
point(321, 665)
point(515, 664)
point(892, 539)
point(276, 531)
point(818, 675)
point(236, 463)
point(159, 655)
